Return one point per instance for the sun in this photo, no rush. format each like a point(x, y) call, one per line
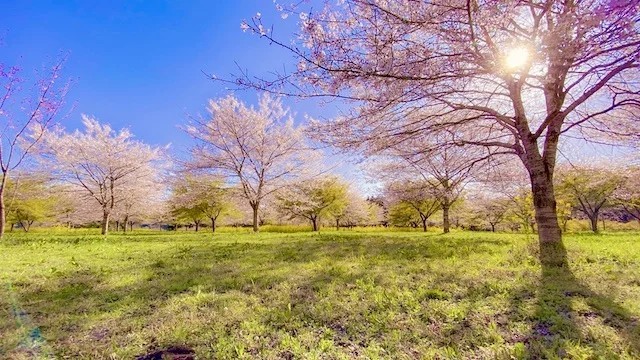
point(517, 57)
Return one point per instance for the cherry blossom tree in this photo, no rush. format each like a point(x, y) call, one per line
point(514, 77)
point(353, 210)
point(490, 208)
point(593, 188)
point(415, 195)
point(26, 114)
point(310, 199)
point(141, 200)
point(446, 170)
point(198, 196)
point(259, 149)
point(104, 165)
point(70, 206)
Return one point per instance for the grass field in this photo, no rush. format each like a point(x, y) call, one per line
point(333, 295)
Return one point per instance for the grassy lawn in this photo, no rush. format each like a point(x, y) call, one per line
point(333, 295)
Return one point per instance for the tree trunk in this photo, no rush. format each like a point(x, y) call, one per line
point(552, 251)
point(493, 227)
point(3, 215)
point(594, 222)
point(446, 224)
point(117, 225)
point(130, 225)
point(213, 224)
point(197, 225)
point(124, 224)
point(424, 224)
point(256, 225)
point(314, 223)
point(337, 224)
point(105, 222)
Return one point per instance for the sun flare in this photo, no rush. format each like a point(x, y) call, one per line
point(517, 57)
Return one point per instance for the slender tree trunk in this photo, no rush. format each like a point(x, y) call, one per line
point(105, 222)
point(117, 225)
point(493, 227)
point(337, 224)
point(124, 224)
point(446, 224)
point(197, 225)
point(130, 225)
point(424, 224)
point(3, 215)
point(213, 224)
point(314, 223)
point(256, 225)
point(12, 226)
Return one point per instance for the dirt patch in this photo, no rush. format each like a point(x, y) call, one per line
point(170, 353)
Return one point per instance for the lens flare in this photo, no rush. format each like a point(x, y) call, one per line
point(517, 57)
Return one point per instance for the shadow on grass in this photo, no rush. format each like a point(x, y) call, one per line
point(87, 306)
point(573, 321)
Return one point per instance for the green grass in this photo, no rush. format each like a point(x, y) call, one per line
point(317, 296)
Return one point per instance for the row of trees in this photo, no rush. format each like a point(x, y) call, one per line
point(246, 156)
point(87, 191)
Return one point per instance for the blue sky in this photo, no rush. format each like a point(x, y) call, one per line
point(140, 64)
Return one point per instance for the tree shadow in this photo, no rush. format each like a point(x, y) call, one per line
point(84, 305)
point(565, 306)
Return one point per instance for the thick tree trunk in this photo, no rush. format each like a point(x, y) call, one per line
point(552, 251)
point(105, 223)
point(446, 224)
point(424, 224)
point(213, 225)
point(124, 224)
point(314, 223)
point(256, 225)
point(197, 225)
point(594, 222)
